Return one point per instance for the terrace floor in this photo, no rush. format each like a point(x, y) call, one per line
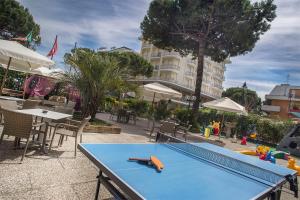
point(59, 175)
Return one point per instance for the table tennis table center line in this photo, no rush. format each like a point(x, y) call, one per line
point(255, 178)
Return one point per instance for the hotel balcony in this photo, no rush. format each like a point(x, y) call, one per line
point(144, 46)
point(169, 67)
point(192, 62)
point(171, 54)
point(269, 108)
point(192, 74)
point(156, 55)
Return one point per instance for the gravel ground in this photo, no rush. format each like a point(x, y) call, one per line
point(59, 175)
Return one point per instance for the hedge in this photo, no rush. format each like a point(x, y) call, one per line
point(268, 130)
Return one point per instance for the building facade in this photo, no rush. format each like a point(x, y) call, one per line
point(179, 73)
point(282, 100)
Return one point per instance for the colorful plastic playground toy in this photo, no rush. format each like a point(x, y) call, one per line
point(260, 149)
point(252, 132)
point(264, 153)
point(281, 155)
point(248, 152)
point(253, 135)
point(216, 128)
point(292, 165)
point(244, 141)
point(207, 132)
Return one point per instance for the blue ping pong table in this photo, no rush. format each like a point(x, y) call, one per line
point(192, 171)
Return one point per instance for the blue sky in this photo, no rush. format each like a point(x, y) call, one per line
point(108, 23)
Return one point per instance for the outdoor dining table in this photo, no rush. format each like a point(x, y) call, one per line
point(44, 114)
point(11, 98)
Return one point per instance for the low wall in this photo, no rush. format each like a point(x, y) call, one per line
point(102, 129)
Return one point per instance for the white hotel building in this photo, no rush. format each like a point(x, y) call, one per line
point(179, 72)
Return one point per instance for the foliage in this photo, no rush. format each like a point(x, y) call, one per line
point(100, 122)
point(140, 107)
point(97, 74)
point(135, 64)
point(16, 21)
point(269, 130)
point(14, 80)
point(244, 96)
point(218, 28)
point(161, 110)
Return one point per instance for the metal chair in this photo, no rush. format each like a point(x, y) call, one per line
point(60, 109)
point(72, 128)
point(168, 127)
point(19, 125)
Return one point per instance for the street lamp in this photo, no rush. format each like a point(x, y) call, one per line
point(190, 99)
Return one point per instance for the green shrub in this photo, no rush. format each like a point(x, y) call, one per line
point(268, 130)
point(161, 110)
point(140, 107)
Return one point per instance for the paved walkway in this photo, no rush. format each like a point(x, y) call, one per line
point(59, 175)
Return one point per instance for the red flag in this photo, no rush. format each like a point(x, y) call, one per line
point(53, 51)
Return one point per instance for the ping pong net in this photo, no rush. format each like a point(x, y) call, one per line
point(240, 167)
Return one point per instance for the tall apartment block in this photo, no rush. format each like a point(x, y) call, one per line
point(179, 73)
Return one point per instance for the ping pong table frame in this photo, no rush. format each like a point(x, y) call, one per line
point(121, 190)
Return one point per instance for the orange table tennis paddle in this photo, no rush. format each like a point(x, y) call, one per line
point(157, 163)
point(152, 161)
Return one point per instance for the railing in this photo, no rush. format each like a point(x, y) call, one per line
point(156, 55)
point(193, 62)
point(190, 73)
point(171, 54)
point(270, 108)
point(168, 66)
point(189, 86)
point(146, 45)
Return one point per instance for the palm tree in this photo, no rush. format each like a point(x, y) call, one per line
point(96, 74)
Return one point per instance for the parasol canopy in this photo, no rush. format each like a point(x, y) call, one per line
point(227, 105)
point(15, 55)
point(156, 92)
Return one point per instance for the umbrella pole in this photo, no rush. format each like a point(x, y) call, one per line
point(25, 85)
point(153, 122)
point(5, 75)
point(221, 127)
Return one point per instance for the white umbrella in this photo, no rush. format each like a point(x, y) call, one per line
point(54, 73)
point(16, 56)
point(155, 92)
point(227, 105)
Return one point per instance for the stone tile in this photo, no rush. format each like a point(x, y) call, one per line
point(75, 163)
point(27, 195)
point(61, 192)
point(14, 181)
point(87, 191)
point(47, 178)
point(31, 163)
point(70, 154)
point(72, 176)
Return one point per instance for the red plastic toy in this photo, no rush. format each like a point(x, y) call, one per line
point(244, 141)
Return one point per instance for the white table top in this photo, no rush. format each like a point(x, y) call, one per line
point(11, 98)
point(48, 115)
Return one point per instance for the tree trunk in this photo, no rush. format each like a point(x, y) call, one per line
point(94, 108)
point(198, 80)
